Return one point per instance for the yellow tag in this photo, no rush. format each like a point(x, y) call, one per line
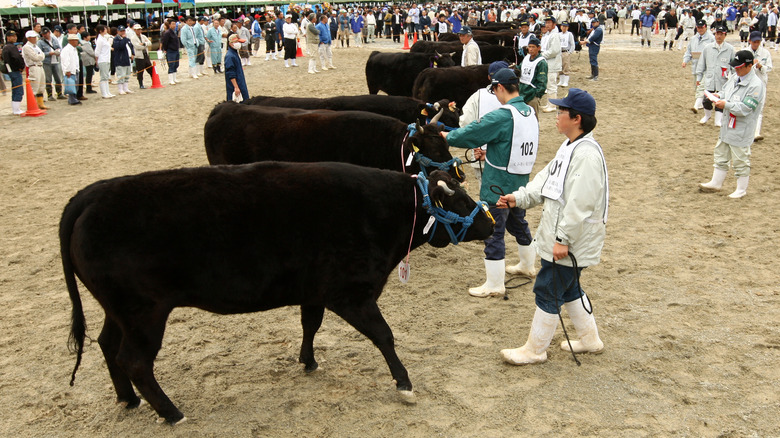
point(415, 149)
point(424, 112)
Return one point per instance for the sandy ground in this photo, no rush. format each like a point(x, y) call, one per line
point(687, 296)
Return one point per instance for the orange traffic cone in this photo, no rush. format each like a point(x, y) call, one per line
point(414, 41)
point(32, 105)
point(299, 52)
point(155, 77)
point(406, 41)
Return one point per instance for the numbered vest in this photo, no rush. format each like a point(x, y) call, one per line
point(525, 142)
point(553, 186)
point(527, 69)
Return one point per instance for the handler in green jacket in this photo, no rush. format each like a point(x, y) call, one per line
point(511, 133)
point(533, 75)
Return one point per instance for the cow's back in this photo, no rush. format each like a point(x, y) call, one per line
point(238, 134)
point(456, 84)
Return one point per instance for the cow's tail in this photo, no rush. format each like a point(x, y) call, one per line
point(78, 326)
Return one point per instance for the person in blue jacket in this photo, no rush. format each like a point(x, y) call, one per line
point(595, 36)
point(234, 72)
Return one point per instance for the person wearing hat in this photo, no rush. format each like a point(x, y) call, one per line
point(741, 101)
point(471, 53)
point(290, 32)
point(713, 69)
point(344, 28)
point(14, 64)
point(356, 25)
point(762, 65)
point(478, 104)
point(595, 36)
point(70, 65)
point(574, 191)
point(567, 48)
point(269, 33)
point(122, 55)
point(51, 49)
point(670, 28)
point(189, 38)
point(235, 83)
point(257, 35)
point(33, 59)
point(324, 49)
point(648, 20)
point(688, 24)
point(696, 44)
point(523, 37)
point(141, 46)
point(551, 51)
point(512, 137)
point(533, 75)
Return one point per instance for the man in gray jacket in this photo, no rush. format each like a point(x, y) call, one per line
point(740, 102)
point(574, 190)
point(697, 43)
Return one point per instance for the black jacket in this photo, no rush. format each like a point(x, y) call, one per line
point(13, 58)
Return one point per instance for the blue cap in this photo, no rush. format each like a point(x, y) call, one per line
point(755, 35)
point(465, 30)
point(120, 28)
point(496, 66)
point(58, 28)
point(505, 76)
point(535, 41)
point(578, 100)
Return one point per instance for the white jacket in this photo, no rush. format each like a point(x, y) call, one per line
point(103, 48)
point(743, 101)
point(577, 221)
point(551, 50)
point(69, 58)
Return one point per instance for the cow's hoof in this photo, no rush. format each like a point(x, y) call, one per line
point(308, 369)
point(407, 396)
point(161, 420)
point(131, 404)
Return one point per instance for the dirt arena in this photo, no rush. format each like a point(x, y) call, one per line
point(687, 296)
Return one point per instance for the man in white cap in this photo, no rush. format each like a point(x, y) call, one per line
point(122, 55)
point(570, 235)
point(740, 101)
point(471, 52)
point(762, 65)
point(511, 133)
point(141, 46)
point(70, 65)
point(33, 59)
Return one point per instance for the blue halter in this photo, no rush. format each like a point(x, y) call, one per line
point(447, 218)
point(440, 124)
point(427, 162)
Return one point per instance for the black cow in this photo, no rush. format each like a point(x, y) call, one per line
point(456, 84)
point(239, 134)
point(238, 239)
point(489, 52)
point(436, 46)
point(403, 108)
point(394, 73)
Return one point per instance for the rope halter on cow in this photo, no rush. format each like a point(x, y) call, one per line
point(436, 106)
point(425, 161)
point(447, 218)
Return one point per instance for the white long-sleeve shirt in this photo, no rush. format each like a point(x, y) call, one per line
point(69, 59)
point(103, 48)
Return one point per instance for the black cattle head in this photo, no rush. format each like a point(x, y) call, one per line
point(428, 142)
point(439, 60)
point(447, 194)
point(451, 115)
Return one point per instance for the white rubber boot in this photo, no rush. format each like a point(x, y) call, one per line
point(274, 57)
point(535, 348)
point(707, 115)
point(550, 107)
point(718, 118)
point(171, 78)
point(267, 56)
point(758, 136)
point(526, 266)
point(312, 66)
point(127, 88)
point(203, 71)
point(494, 286)
point(742, 185)
point(194, 72)
point(697, 105)
point(17, 107)
point(121, 88)
point(716, 183)
point(566, 80)
point(585, 325)
point(286, 63)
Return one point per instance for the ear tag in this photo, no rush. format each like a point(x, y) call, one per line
point(428, 226)
point(403, 271)
point(424, 112)
point(415, 149)
point(409, 160)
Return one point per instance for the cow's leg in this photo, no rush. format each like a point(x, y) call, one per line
point(311, 320)
point(367, 319)
point(143, 334)
point(110, 338)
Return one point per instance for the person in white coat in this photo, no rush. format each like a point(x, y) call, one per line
point(574, 191)
point(69, 60)
point(471, 52)
point(551, 51)
point(696, 44)
point(762, 64)
point(712, 71)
